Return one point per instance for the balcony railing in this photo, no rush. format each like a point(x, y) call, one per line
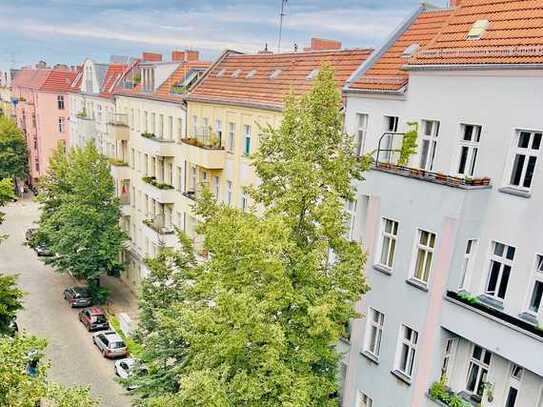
point(118, 119)
point(157, 184)
point(159, 225)
point(154, 137)
point(205, 138)
point(435, 177)
point(194, 193)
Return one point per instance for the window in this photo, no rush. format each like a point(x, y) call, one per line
point(511, 397)
point(61, 124)
point(501, 261)
point(468, 255)
point(244, 201)
point(170, 128)
point(153, 123)
point(312, 75)
point(425, 252)
point(146, 121)
point(60, 102)
point(469, 148)
point(194, 126)
point(350, 218)
point(216, 186)
point(179, 129)
point(247, 144)
point(360, 138)
point(478, 370)
point(430, 131)
point(228, 198)
point(514, 384)
point(362, 400)
point(525, 157)
point(231, 137)
point(406, 351)
point(218, 130)
point(537, 290)
point(275, 73)
point(450, 348)
point(179, 179)
point(387, 144)
point(161, 125)
point(478, 29)
point(388, 242)
point(374, 332)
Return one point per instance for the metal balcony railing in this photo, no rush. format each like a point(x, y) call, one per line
point(118, 119)
point(205, 137)
point(158, 224)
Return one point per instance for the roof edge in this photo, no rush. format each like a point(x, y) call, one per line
point(391, 40)
point(471, 67)
point(246, 104)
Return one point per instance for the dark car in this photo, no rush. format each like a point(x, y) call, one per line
point(42, 250)
point(78, 296)
point(94, 319)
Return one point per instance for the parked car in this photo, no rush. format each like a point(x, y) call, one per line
point(78, 296)
point(94, 319)
point(110, 344)
point(42, 250)
point(124, 368)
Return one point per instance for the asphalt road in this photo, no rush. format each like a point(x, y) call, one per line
point(74, 358)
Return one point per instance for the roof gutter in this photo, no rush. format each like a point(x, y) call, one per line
point(471, 67)
point(377, 54)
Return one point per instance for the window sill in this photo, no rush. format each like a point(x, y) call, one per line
point(382, 269)
point(515, 192)
point(402, 376)
point(372, 358)
point(417, 284)
point(529, 317)
point(491, 302)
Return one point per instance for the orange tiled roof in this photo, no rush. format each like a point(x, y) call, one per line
point(112, 76)
point(47, 80)
point(246, 79)
point(386, 73)
point(514, 35)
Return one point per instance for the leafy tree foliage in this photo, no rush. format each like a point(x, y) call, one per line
point(6, 193)
point(19, 389)
point(10, 302)
point(80, 216)
point(260, 318)
point(13, 156)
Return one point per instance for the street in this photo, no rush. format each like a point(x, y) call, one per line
point(74, 359)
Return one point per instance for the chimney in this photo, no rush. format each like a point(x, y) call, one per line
point(178, 56)
point(320, 44)
point(151, 57)
point(265, 50)
point(454, 3)
point(192, 55)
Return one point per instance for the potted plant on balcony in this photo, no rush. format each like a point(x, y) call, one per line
point(409, 143)
point(148, 134)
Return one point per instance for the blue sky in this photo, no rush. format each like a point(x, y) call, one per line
point(67, 31)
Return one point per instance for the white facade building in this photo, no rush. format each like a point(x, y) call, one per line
point(455, 261)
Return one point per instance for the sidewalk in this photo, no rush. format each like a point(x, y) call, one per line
point(122, 300)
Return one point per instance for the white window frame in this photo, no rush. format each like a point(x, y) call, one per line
point(247, 137)
point(408, 342)
point(363, 400)
point(537, 277)
point(389, 139)
point(228, 199)
point(216, 186)
point(528, 152)
point(467, 262)
point(244, 204)
point(471, 147)
point(61, 124)
point(392, 238)
point(504, 262)
point(429, 256)
point(374, 332)
point(362, 120)
point(231, 137)
point(447, 364)
point(481, 365)
point(60, 102)
point(431, 138)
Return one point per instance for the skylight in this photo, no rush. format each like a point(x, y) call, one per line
point(236, 73)
point(312, 75)
point(221, 72)
point(478, 29)
point(251, 74)
point(410, 50)
point(275, 73)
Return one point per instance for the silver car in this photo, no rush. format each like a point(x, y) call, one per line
point(110, 344)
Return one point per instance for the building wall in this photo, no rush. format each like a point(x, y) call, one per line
point(501, 102)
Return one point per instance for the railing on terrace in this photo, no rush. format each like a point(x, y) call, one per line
point(206, 138)
point(118, 119)
point(195, 192)
point(158, 224)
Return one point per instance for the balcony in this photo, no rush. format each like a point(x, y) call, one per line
point(159, 191)
point(506, 335)
point(155, 145)
point(205, 150)
point(86, 125)
point(158, 231)
point(118, 126)
point(119, 169)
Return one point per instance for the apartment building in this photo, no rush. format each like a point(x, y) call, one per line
point(148, 161)
point(455, 253)
point(42, 111)
point(6, 104)
point(239, 96)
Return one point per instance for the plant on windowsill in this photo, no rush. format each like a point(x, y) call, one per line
point(148, 135)
point(469, 298)
point(409, 144)
point(153, 181)
point(118, 163)
point(82, 114)
point(488, 391)
point(440, 392)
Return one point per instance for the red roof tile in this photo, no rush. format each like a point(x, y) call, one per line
point(47, 80)
point(113, 74)
point(247, 79)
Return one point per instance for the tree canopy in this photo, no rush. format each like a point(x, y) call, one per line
point(13, 154)
point(80, 213)
point(259, 320)
point(10, 302)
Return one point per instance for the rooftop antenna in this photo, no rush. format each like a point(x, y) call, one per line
point(283, 6)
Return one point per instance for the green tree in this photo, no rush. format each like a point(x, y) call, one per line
point(262, 316)
point(10, 302)
point(6, 194)
point(13, 155)
point(19, 389)
point(80, 217)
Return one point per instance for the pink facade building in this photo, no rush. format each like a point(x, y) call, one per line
point(42, 112)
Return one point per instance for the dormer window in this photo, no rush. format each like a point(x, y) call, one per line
point(251, 74)
point(478, 29)
point(236, 73)
point(221, 72)
point(182, 86)
point(148, 78)
point(312, 75)
point(410, 50)
point(275, 73)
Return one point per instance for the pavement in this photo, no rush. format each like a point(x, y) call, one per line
point(74, 358)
